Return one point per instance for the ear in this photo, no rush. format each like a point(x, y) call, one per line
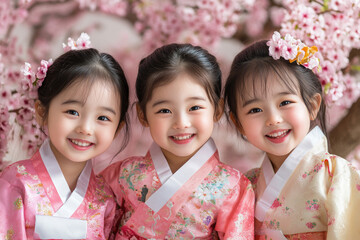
point(40, 113)
point(141, 116)
point(315, 106)
point(236, 123)
point(219, 110)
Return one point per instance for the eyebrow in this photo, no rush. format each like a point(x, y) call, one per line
point(71, 101)
point(188, 99)
point(257, 99)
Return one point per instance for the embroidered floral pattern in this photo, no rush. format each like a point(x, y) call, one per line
point(311, 225)
point(213, 189)
point(312, 205)
point(196, 217)
point(18, 203)
point(39, 197)
point(313, 171)
point(276, 203)
point(272, 224)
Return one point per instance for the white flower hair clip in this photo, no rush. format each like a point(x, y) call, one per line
point(293, 50)
point(83, 42)
point(34, 80)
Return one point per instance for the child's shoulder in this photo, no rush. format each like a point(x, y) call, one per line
point(338, 165)
point(19, 174)
point(233, 172)
point(19, 168)
point(253, 175)
point(130, 163)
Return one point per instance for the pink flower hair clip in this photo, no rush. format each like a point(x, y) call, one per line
point(34, 80)
point(293, 50)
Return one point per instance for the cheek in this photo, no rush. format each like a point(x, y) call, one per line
point(299, 117)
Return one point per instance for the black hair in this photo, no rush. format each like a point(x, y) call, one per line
point(88, 66)
point(169, 61)
point(255, 64)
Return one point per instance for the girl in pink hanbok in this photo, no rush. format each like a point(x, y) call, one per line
point(180, 189)
point(82, 105)
point(276, 102)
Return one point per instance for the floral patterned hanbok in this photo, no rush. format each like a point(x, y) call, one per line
point(36, 202)
point(204, 199)
point(314, 195)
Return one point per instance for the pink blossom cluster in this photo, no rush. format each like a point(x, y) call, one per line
point(202, 22)
point(293, 50)
point(334, 27)
point(4, 130)
point(18, 89)
point(10, 14)
point(16, 101)
point(116, 7)
point(83, 42)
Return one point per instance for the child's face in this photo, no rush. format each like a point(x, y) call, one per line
point(275, 121)
point(180, 116)
point(82, 126)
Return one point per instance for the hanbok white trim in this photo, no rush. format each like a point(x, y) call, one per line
point(278, 180)
point(52, 227)
point(172, 183)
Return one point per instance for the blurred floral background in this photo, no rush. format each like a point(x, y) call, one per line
point(32, 30)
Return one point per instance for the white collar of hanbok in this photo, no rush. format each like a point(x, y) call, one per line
point(171, 183)
point(71, 200)
point(276, 182)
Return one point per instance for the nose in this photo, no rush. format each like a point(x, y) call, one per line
point(273, 117)
point(85, 127)
point(181, 121)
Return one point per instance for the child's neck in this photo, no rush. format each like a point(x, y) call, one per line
point(71, 172)
point(70, 169)
point(175, 162)
point(276, 161)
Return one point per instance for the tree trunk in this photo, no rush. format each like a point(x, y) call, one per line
point(345, 136)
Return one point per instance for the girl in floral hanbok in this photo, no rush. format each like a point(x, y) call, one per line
point(180, 189)
point(276, 102)
point(82, 105)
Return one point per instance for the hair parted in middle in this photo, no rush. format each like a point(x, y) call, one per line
point(169, 61)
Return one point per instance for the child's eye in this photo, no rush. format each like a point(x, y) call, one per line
point(164, 111)
point(194, 108)
point(103, 118)
point(255, 110)
point(283, 103)
point(72, 112)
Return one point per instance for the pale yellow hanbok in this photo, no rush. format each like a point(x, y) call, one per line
point(314, 195)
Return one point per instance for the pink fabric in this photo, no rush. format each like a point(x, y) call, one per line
point(216, 200)
point(300, 236)
point(26, 190)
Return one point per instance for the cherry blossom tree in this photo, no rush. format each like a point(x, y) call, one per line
point(331, 25)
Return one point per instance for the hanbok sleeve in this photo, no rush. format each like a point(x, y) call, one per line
point(236, 217)
point(109, 220)
point(11, 212)
point(111, 176)
point(343, 200)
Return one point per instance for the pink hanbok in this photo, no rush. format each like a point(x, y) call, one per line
point(314, 195)
point(204, 199)
point(36, 202)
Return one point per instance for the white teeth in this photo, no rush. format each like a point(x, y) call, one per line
point(277, 134)
point(182, 137)
point(81, 144)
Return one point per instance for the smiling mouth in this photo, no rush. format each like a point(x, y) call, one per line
point(183, 137)
point(80, 143)
point(278, 134)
